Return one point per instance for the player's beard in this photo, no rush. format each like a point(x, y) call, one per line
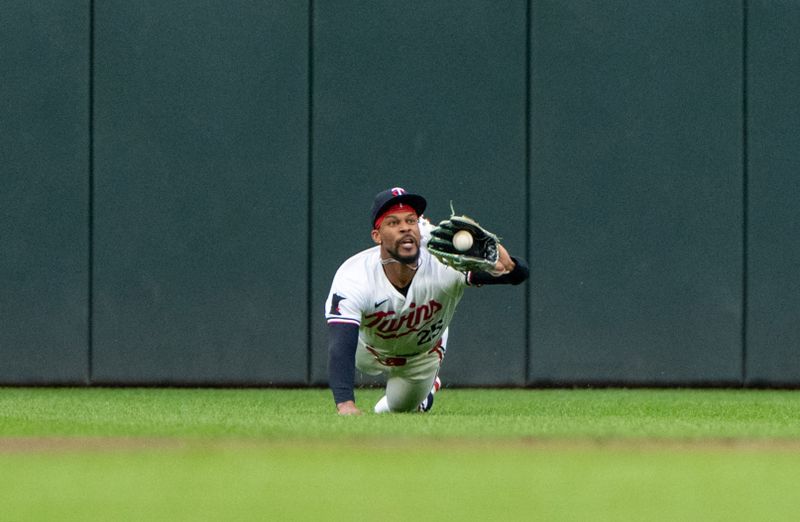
point(406, 260)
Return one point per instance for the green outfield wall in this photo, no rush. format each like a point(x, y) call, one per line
point(636, 195)
point(200, 260)
point(773, 196)
point(182, 180)
point(45, 194)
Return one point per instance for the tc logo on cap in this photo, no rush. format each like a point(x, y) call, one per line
point(397, 191)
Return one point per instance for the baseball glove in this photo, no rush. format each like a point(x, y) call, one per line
point(481, 256)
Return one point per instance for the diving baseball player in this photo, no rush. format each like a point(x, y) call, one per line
point(389, 306)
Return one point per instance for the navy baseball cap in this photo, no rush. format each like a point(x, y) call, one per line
point(395, 196)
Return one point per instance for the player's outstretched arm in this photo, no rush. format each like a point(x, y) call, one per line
point(342, 342)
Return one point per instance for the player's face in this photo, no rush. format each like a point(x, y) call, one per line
point(399, 236)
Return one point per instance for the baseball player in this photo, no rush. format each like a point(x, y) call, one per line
point(389, 306)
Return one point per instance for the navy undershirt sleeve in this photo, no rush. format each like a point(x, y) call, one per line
point(342, 342)
point(515, 277)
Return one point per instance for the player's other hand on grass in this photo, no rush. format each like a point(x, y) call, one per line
point(348, 408)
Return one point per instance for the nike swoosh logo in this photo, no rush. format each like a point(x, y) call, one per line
point(381, 302)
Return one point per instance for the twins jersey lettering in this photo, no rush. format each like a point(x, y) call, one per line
point(390, 323)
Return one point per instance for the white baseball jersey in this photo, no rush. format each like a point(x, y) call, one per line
point(389, 322)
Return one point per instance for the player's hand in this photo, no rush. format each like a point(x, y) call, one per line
point(348, 408)
point(504, 263)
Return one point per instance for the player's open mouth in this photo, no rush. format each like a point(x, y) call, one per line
point(408, 242)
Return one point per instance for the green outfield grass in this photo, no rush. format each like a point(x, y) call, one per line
point(203, 454)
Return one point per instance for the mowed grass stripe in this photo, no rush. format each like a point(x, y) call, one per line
point(459, 413)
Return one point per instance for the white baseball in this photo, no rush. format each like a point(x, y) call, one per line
point(462, 240)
